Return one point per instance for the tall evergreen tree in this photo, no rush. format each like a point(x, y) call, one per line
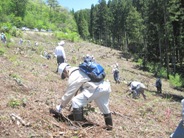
point(83, 26)
point(176, 14)
point(142, 8)
point(92, 25)
point(101, 21)
point(135, 29)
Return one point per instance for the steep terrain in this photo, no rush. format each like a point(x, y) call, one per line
point(30, 88)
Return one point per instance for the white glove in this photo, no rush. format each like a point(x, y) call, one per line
point(58, 108)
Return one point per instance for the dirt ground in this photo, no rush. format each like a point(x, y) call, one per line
point(30, 89)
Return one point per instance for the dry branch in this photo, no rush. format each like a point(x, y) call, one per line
point(116, 113)
point(18, 120)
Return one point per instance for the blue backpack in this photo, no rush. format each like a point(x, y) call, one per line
point(94, 70)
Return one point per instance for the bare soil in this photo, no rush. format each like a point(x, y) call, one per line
point(30, 88)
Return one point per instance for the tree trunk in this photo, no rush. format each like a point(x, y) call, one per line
point(166, 40)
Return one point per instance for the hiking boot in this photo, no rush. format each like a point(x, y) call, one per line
point(58, 108)
point(78, 114)
point(108, 121)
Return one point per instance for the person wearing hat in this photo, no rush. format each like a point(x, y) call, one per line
point(137, 88)
point(60, 54)
point(115, 72)
point(97, 91)
point(88, 58)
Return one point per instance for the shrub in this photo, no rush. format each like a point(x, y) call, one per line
point(2, 51)
point(175, 80)
point(6, 27)
point(72, 36)
point(14, 102)
point(162, 72)
point(13, 31)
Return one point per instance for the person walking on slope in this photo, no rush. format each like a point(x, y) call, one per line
point(158, 85)
point(3, 37)
point(97, 91)
point(115, 72)
point(60, 54)
point(137, 88)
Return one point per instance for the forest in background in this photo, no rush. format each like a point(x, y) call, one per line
point(151, 31)
point(45, 15)
point(36, 14)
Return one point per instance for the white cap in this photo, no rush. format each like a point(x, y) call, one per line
point(62, 66)
point(61, 43)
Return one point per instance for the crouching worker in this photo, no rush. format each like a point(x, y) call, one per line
point(137, 88)
point(97, 91)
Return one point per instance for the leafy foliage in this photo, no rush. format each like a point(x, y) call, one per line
point(72, 36)
point(2, 51)
point(176, 80)
point(14, 103)
point(36, 14)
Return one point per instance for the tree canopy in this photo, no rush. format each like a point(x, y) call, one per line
point(39, 14)
point(151, 30)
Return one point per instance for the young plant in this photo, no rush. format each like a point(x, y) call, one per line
point(14, 103)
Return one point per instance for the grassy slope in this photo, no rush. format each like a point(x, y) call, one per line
point(40, 89)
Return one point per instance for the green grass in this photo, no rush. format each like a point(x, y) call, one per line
point(72, 36)
point(176, 80)
point(2, 51)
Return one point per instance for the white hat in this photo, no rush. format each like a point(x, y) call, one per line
point(62, 66)
point(61, 43)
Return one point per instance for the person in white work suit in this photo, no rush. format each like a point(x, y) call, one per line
point(115, 72)
point(137, 88)
point(97, 91)
point(60, 54)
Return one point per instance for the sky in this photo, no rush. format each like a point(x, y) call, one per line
point(77, 4)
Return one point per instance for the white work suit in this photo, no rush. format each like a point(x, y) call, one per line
point(60, 54)
point(59, 51)
point(97, 91)
point(137, 88)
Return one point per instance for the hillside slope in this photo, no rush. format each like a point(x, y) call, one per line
point(30, 88)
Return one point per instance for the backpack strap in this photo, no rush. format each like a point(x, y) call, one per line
point(73, 71)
